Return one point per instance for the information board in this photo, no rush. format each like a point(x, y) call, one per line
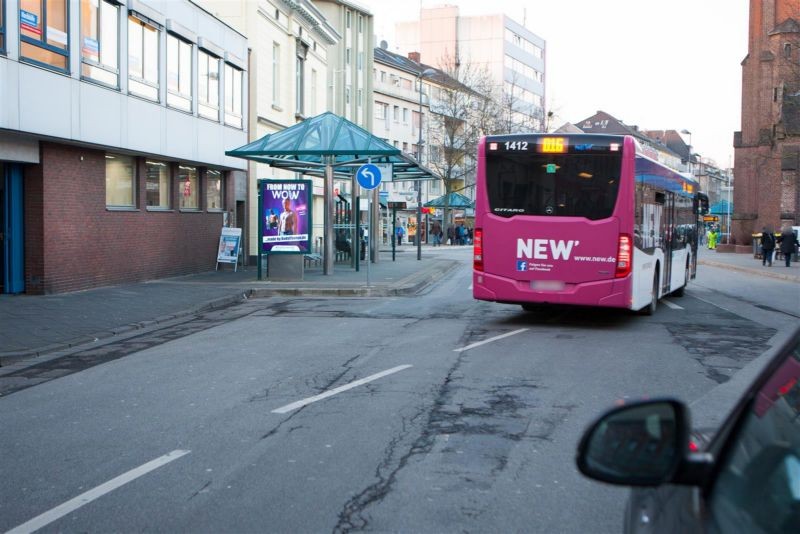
point(229, 242)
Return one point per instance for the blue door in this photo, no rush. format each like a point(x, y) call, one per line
point(12, 231)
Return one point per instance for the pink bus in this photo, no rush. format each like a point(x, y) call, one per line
point(581, 219)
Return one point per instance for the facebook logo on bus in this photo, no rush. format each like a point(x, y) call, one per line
point(522, 265)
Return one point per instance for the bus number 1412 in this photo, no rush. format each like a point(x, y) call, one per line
point(516, 145)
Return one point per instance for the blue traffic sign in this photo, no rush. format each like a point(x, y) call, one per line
point(368, 176)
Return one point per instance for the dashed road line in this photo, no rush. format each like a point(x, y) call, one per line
point(671, 304)
point(340, 389)
point(485, 341)
point(93, 494)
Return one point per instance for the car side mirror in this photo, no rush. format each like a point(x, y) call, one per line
point(639, 444)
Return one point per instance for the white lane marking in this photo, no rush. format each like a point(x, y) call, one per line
point(671, 304)
point(85, 498)
point(332, 392)
point(485, 341)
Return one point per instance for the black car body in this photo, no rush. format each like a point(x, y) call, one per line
point(743, 478)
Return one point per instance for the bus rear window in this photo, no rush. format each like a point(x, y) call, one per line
point(553, 185)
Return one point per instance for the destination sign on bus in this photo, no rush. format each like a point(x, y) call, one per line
point(554, 144)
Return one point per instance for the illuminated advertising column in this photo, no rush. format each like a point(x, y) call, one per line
point(286, 216)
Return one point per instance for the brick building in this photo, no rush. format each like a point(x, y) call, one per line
point(767, 149)
point(114, 121)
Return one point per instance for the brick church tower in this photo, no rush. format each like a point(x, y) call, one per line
point(767, 149)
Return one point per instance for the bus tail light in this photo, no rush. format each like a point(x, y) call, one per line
point(624, 257)
point(477, 251)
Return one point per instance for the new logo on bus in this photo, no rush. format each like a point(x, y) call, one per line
point(545, 249)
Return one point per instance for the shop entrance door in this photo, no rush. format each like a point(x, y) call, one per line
point(12, 235)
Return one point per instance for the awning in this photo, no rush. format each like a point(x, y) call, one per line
point(723, 207)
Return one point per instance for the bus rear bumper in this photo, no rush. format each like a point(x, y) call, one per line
point(606, 293)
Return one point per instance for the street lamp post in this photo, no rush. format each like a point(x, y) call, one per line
point(422, 74)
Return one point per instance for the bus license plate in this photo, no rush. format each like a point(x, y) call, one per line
point(547, 285)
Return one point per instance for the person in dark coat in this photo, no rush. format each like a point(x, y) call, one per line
point(767, 246)
point(788, 243)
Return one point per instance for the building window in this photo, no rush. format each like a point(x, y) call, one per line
point(179, 73)
point(787, 50)
point(347, 17)
point(214, 191)
point(157, 184)
point(233, 96)
point(313, 101)
point(207, 85)
point(360, 61)
point(100, 41)
point(2, 26)
point(383, 76)
point(120, 181)
point(347, 95)
point(188, 184)
point(360, 24)
point(143, 59)
point(43, 33)
point(276, 70)
point(396, 113)
point(381, 110)
point(300, 78)
point(348, 53)
point(405, 115)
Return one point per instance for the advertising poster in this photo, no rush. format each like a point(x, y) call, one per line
point(229, 241)
point(286, 215)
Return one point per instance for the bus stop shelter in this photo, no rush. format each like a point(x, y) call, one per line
point(326, 146)
point(450, 201)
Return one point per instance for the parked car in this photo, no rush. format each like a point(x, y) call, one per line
point(745, 477)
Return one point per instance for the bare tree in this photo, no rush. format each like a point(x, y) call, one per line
point(516, 113)
point(462, 110)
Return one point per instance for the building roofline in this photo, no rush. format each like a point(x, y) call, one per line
point(210, 14)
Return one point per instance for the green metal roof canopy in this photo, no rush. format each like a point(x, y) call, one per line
point(307, 146)
point(455, 200)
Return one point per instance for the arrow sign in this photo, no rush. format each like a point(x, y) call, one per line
point(368, 176)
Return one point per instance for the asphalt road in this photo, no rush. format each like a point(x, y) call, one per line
point(435, 413)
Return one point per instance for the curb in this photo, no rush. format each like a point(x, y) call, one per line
point(7, 358)
point(750, 270)
point(410, 285)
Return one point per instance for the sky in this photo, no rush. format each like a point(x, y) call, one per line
point(658, 65)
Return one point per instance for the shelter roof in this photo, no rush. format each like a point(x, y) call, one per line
point(308, 146)
point(455, 200)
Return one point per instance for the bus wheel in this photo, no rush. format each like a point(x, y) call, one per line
point(650, 309)
point(682, 290)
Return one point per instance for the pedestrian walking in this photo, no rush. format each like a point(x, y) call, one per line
point(399, 233)
point(767, 246)
point(451, 235)
point(788, 241)
point(436, 231)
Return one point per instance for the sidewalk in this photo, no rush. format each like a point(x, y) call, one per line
point(746, 263)
point(37, 325)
